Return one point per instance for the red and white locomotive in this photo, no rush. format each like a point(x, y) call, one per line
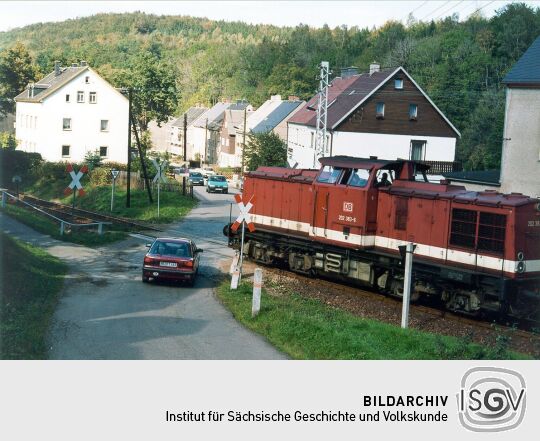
point(476, 251)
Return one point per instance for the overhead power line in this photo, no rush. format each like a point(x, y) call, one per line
point(416, 9)
point(436, 9)
point(480, 8)
point(446, 11)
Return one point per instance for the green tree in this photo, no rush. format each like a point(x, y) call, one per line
point(93, 159)
point(7, 141)
point(265, 149)
point(17, 69)
point(155, 95)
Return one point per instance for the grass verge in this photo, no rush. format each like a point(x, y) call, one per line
point(308, 329)
point(30, 282)
point(173, 205)
point(45, 225)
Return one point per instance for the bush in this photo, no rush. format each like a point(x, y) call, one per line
point(17, 162)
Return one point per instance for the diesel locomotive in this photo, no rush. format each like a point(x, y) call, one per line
point(476, 252)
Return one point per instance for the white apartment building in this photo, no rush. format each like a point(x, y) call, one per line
point(70, 112)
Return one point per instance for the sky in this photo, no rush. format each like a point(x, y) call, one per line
point(284, 13)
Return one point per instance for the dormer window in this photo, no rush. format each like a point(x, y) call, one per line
point(413, 112)
point(379, 111)
point(398, 83)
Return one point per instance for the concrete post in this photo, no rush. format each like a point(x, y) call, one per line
point(4, 199)
point(257, 287)
point(100, 228)
point(61, 228)
point(407, 285)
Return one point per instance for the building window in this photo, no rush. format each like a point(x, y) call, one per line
point(398, 83)
point(80, 96)
point(417, 150)
point(104, 127)
point(379, 112)
point(413, 112)
point(92, 99)
point(103, 151)
point(65, 151)
point(87, 80)
point(66, 124)
point(67, 97)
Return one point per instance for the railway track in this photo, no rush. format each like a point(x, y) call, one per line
point(396, 303)
point(79, 215)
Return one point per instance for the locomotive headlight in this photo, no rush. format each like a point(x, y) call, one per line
point(520, 255)
point(520, 267)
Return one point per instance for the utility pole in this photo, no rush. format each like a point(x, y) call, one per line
point(185, 155)
point(244, 142)
point(322, 112)
point(128, 185)
point(205, 141)
point(143, 164)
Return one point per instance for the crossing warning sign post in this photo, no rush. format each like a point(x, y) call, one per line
point(160, 177)
point(244, 218)
point(75, 184)
point(114, 174)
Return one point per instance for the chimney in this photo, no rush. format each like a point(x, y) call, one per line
point(347, 72)
point(74, 65)
point(83, 63)
point(293, 98)
point(31, 90)
point(57, 68)
point(275, 98)
point(374, 67)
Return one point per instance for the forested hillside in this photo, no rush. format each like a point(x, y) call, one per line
point(459, 64)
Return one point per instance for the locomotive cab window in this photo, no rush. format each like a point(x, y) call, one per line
point(329, 174)
point(359, 177)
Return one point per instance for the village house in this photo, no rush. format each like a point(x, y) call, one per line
point(70, 112)
point(272, 116)
point(383, 113)
point(161, 135)
point(520, 161)
point(227, 147)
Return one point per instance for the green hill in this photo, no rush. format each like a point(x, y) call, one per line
point(459, 64)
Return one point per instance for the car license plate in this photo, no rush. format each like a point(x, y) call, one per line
point(169, 264)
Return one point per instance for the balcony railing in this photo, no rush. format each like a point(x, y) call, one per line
point(440, 167)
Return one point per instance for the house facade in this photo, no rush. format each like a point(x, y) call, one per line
point(520, 160)
point(161, 135)
point(70, 112)
point(384, 113)
point(272, 116)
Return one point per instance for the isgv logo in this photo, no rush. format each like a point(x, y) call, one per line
point(491, 399)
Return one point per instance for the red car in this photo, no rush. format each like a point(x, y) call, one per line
point(171, 259)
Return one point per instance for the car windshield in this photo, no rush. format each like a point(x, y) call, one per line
point(217, 178)
point(169, 248)
point(196, 175)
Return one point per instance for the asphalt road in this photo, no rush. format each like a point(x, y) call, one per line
point(106, 312)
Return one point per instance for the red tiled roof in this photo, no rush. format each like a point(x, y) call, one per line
point(344, 95)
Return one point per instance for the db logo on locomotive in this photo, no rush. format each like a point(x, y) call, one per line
point(491, 399)
point(348, 206)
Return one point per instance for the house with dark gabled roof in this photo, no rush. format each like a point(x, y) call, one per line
point(520, 161)
point(70, 112)
point(383, 113)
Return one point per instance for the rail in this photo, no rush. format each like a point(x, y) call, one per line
point(63, 222)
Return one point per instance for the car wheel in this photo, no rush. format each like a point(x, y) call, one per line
point(226, 191)
point(145, 279)
point(208, 191)
point(191, 281)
